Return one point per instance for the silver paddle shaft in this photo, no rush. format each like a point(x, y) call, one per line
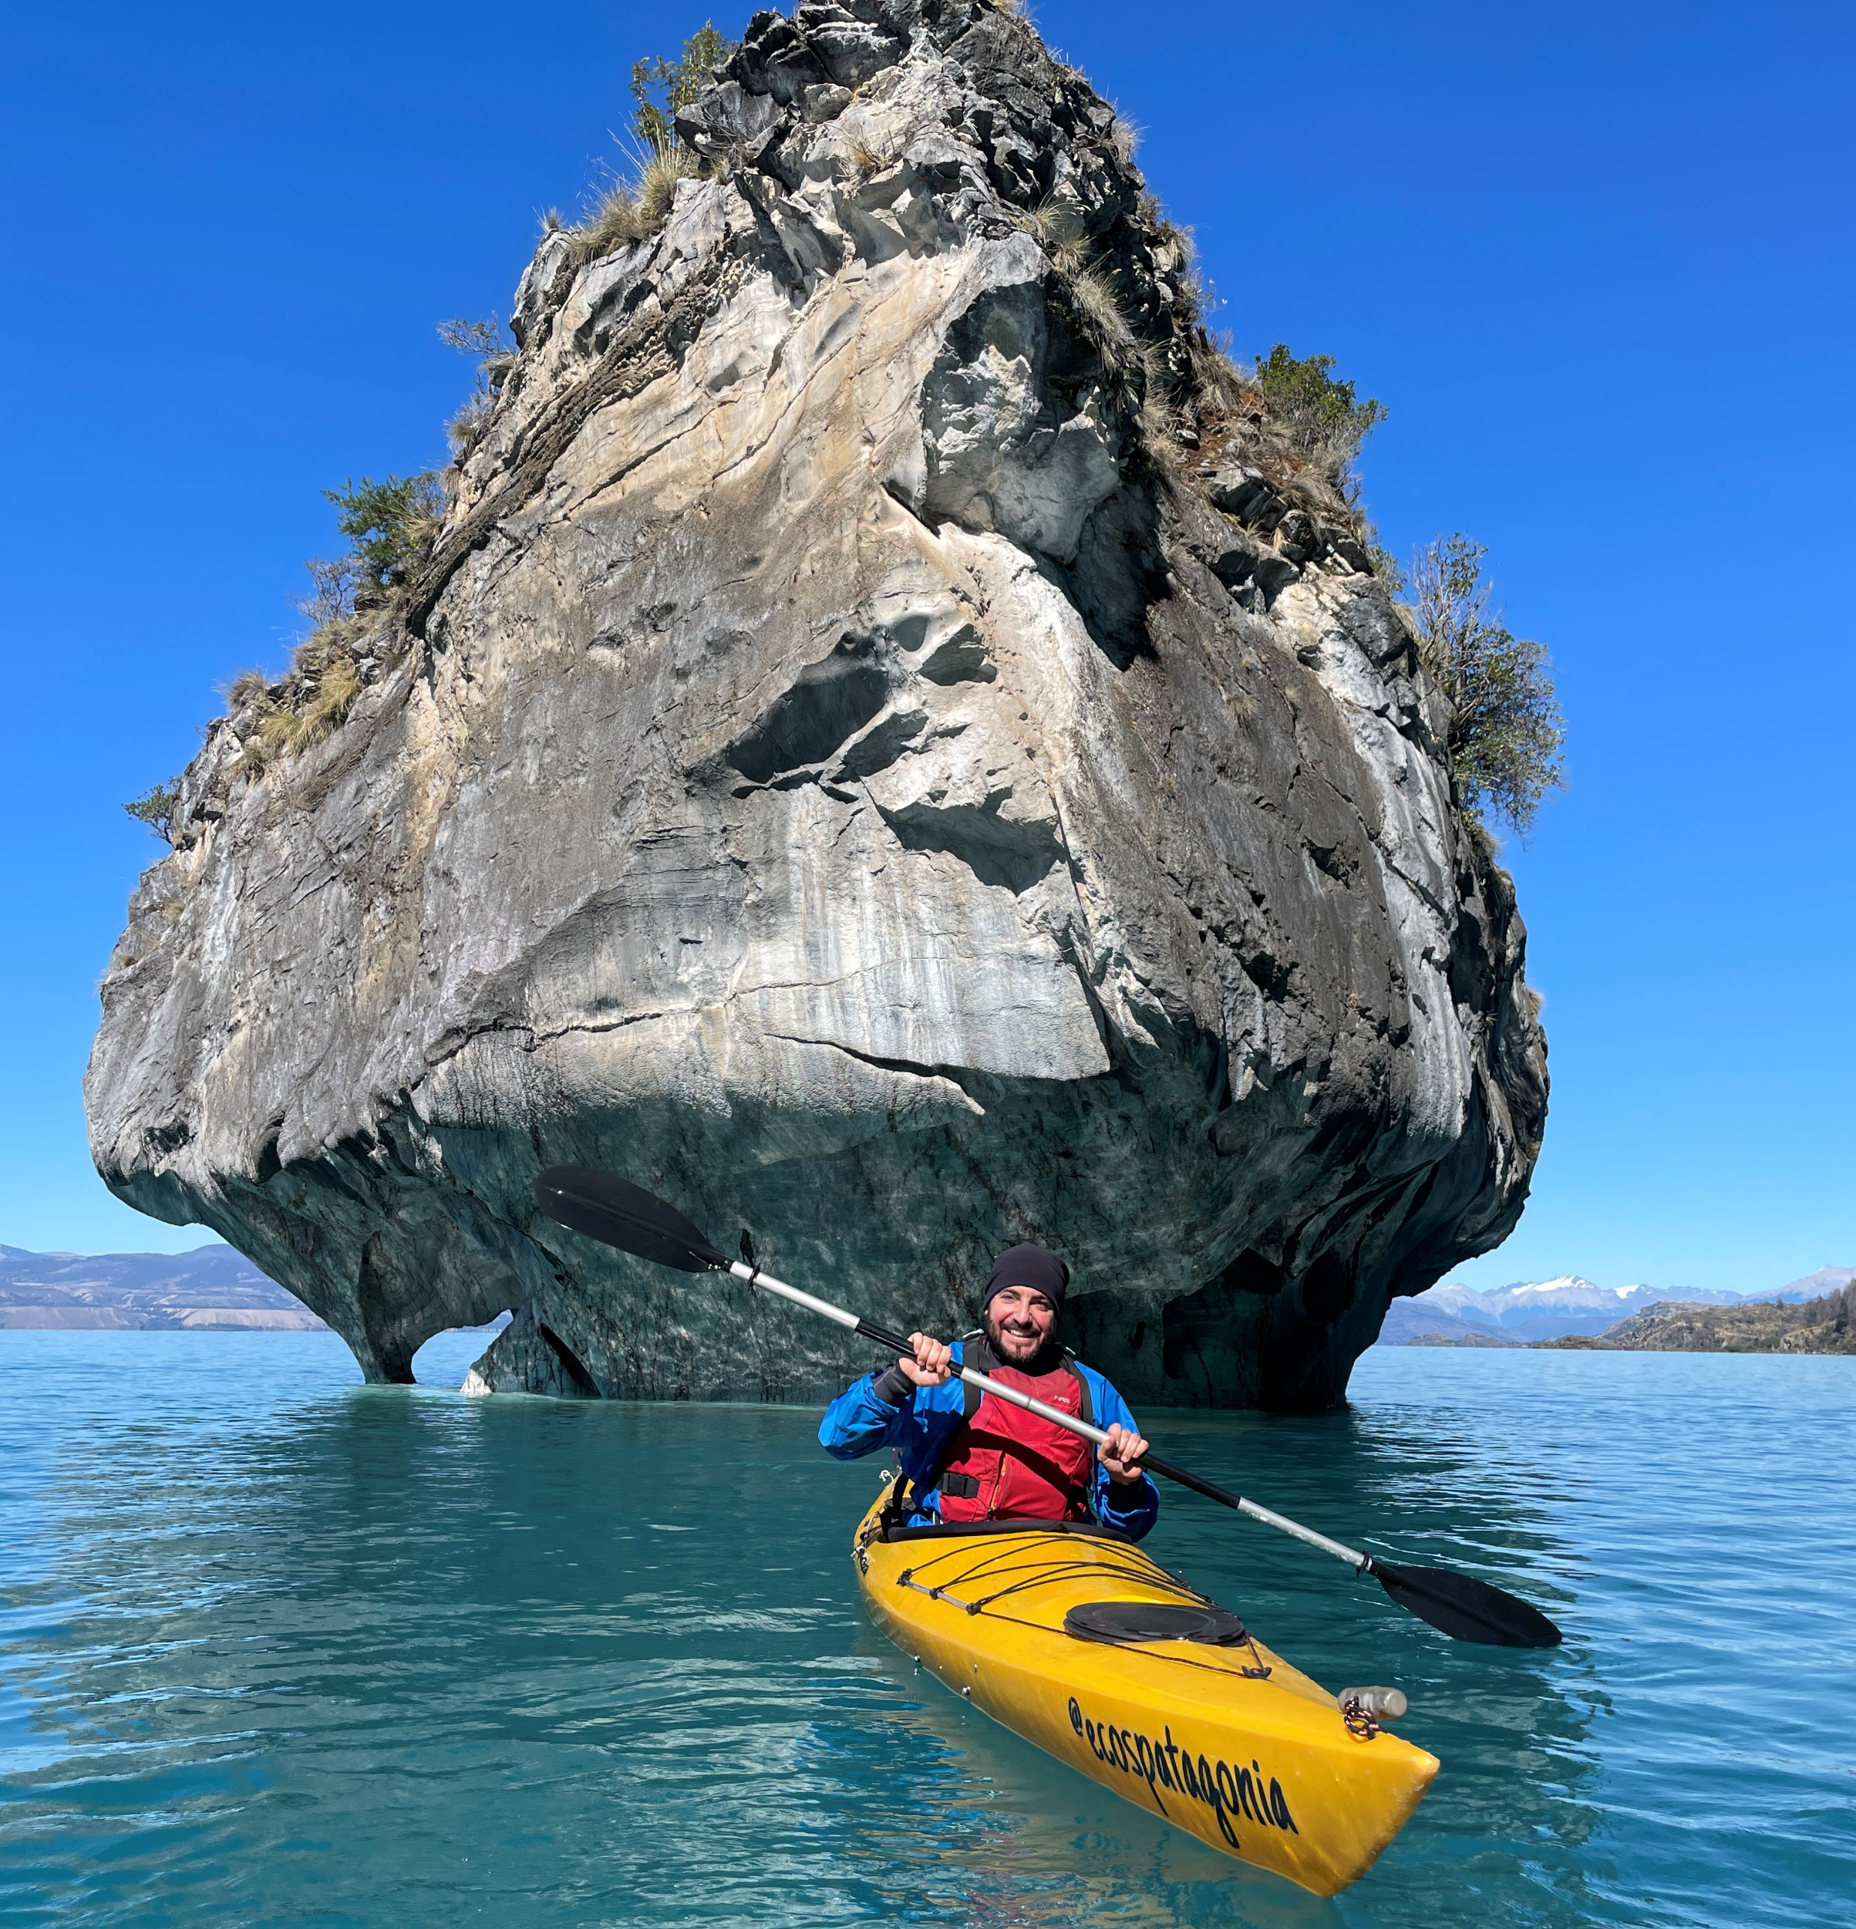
point(1360, 1563)
point(768, 1284)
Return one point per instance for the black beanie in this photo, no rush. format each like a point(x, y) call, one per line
point(1029, 1266)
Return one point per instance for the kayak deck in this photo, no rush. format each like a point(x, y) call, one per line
point(1220, 1736)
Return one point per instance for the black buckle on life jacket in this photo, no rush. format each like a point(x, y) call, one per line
point(960, 1486)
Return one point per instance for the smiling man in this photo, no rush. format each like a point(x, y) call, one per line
point(972, 1457)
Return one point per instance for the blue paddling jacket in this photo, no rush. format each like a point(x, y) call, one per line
point(920, 1422)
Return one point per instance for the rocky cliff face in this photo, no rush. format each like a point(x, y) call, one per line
point(872, 759)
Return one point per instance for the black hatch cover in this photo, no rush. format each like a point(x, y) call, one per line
point(1153, 1621)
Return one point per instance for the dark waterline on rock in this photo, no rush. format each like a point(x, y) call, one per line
point(281, 1649)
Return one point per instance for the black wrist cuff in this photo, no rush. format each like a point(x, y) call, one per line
point(893, 1386)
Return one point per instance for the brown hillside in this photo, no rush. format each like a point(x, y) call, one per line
point(1822, 1325)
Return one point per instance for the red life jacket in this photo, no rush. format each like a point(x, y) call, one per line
point(1006, 1464)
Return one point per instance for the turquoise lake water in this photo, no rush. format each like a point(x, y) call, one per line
point(279, 1649)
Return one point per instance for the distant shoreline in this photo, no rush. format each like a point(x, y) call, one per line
point(1816, 1326)
point(200, 1319)
point(164, 1319)
point(1826, 1325)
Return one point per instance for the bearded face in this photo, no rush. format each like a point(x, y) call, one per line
point(1019, 1323)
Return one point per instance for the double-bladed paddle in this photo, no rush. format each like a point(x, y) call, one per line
point(619, 1214)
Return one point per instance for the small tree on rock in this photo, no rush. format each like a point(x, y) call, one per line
point(390, 523)
point(1507, 734)
point(332, 587)
point(1321, 417)
point(661, 86)
point(155, 808)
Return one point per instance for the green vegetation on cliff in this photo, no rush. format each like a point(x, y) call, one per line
point(1204, 420)
point(629, 210)
point(660, 86)
point(1507, 736)
point(1314, 409)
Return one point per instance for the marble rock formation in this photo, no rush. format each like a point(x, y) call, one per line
point(837, 769)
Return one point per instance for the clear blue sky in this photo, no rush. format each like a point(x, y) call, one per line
point(1594, 259)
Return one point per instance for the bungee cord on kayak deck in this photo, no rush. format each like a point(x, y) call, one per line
point(1044, 1573)
point(1050, 1574)
point(1101, 1570)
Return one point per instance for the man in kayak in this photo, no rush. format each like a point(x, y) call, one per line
point(969, 1457)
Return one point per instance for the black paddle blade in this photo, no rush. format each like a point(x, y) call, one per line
point(624, 1215)
point(1466, 1609)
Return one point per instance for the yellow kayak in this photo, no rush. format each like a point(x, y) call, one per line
point(1074, 1639)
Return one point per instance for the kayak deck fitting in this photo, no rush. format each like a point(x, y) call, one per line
point(1073, 1638)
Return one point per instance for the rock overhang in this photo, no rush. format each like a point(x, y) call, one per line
point(844, 779)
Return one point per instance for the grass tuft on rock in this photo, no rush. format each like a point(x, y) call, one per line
point(469, 425)
point(866, 160)
point(664, 168)
point(634, 209)
point(1093, 302)
point(613, 223)
point(1085, 287)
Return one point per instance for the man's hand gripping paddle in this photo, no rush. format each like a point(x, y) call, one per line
point(608, 1209)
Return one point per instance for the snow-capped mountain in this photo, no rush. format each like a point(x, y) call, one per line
point(1817, 1285)
point(1549, 1309)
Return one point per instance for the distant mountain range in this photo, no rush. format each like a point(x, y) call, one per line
point(216, 1287)
point(1552, 1309)
point(212, 1286)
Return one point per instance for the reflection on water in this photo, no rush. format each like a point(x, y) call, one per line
point(280, 1649)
